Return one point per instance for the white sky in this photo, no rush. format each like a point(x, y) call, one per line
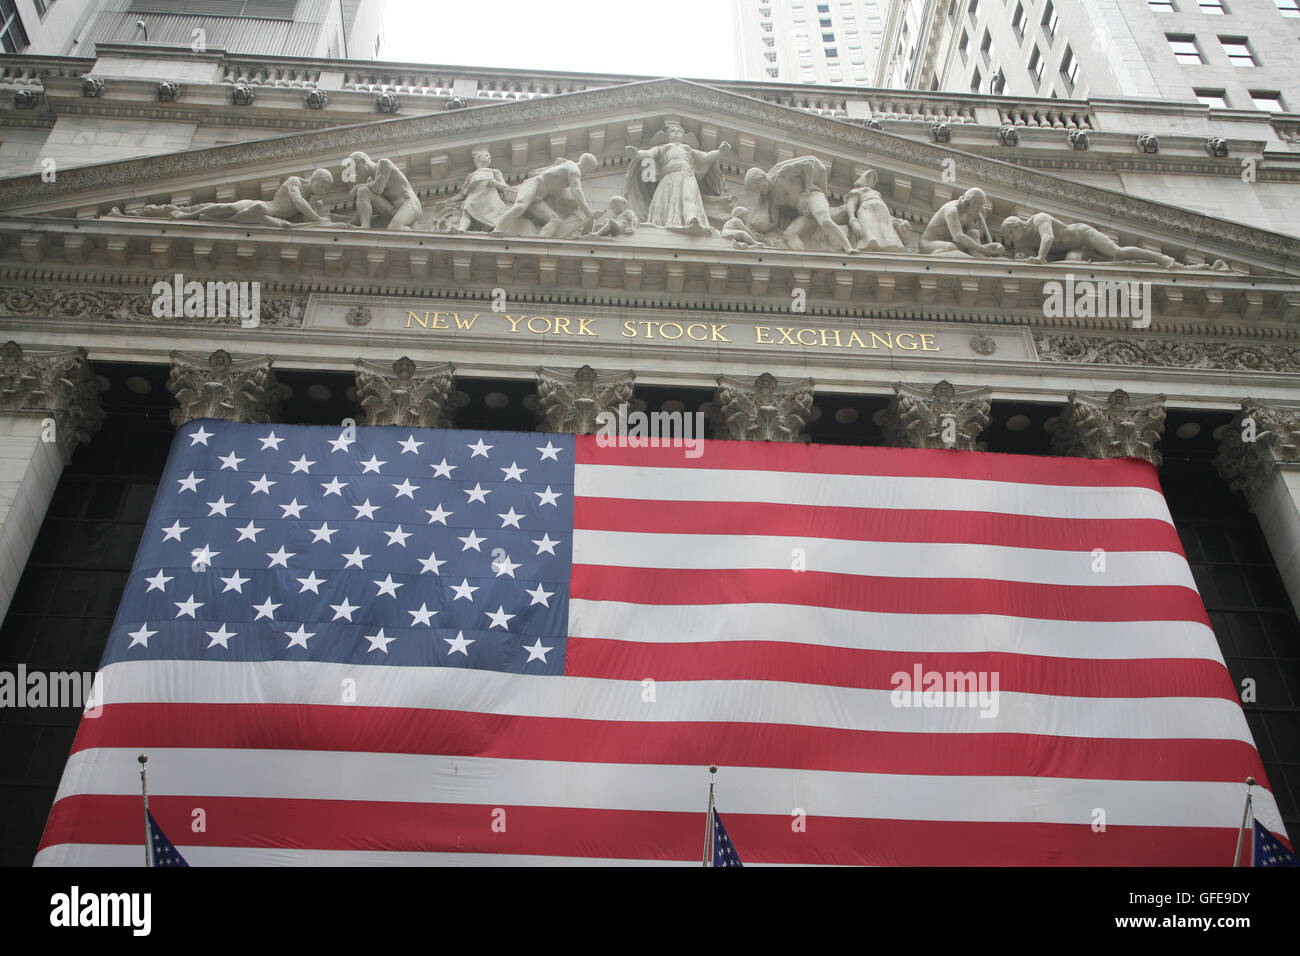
point(687, 38)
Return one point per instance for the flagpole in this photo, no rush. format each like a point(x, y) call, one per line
point(708, 822)
point(1245, 815)
point(144, 793)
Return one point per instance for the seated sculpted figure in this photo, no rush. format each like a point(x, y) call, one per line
point(871, 225)
point(619, 220)
point(295, 203)
point(561, 180)
point(957, 228)
point(387, 192)
point(795, 187)
point(1039, 235)
point(737, 229)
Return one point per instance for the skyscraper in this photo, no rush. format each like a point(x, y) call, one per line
point(806, 41)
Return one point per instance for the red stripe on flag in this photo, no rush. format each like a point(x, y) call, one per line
point(629, 834)
point(874, 524)
point(884, 462)
point(355, 729)
point(854, 592)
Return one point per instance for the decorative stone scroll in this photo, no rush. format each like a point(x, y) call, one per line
point(1166, 353)
point(1113, 426)
point(127, 307)
point(767, 409)
point(1259, 439)
point(57, 382)
point(406, 393)
point(572, 401)
point(941, 417)
point(220, 386)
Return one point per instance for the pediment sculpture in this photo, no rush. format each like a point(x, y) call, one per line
point(296, 202)
point(667, 183)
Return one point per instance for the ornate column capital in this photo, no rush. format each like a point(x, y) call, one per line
point(1260, 439)
point(941, 417)
point(571, 401)
point(766, 409)
point(407, 393)
point(1109, 426)
point(223, 387)
point(55, 383)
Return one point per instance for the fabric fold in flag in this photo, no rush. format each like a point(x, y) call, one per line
point(370, 644)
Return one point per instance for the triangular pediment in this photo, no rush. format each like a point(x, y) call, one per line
point(435, 149)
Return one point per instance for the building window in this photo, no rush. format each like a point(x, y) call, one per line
point(1270, 100)
point(805, 54)
point(1238, 51)
point(986, 47)
point(976, 81)
point(1288, 8)
point(1036, 65)
point(1050, 20)
point(767, 27)
point(1213, 7)
point(1069, 68)
point(42, 7)
point(1218, 99)
point(773, 72)
point(1162, 6)
point(952, 10)
point(1018, 21)
point(824, 22)
point(771, 57)
point(823, 8)
point(767, 41)
point(963, 46)
point(1184, 47)
point(12, 35)
point(832, 53)
point(973, 8)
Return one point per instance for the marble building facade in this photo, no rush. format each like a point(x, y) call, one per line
point(196, 235)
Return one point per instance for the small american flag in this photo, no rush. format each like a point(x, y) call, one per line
point(383, 645)
point(724, 851)
point(163, 852)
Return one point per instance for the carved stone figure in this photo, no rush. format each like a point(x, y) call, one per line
point(765, 409)
point(871, 225)
point(406, 394)
point(1037, 236)
point(1077, 138)
point(93, 87)
point(667, 182)
point(941, 132)
point(537, 197)
point(219, 386)
point(958, 227)
point(794, 192)
point(483, 198)
point(737, 229)
point(292, 205)
point(1217, 146)
point(26, 99)
point(619, 220)
point(387, 192)
point(942, 417)
point(1148, 142)
point(387, 102)
point(1114, 426)
point(316, 99)
point(169, 91)
point(1008, 135)
point(58, 382)
point(571, 401)
point(242, 95)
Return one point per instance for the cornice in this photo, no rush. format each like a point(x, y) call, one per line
point(1011, 181)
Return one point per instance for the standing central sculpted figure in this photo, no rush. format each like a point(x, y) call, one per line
point(672, 178)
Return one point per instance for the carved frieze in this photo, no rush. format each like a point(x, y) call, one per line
point(1110, 426)
point(1166, 353)
point(766, 409)
point(221, 386)
point(572, 401)
point(1259, 439)
point(941, 417)
point(59, 382)
point(279, 312)
point(406, 393)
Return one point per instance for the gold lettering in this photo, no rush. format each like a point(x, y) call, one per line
point(582, 327)
point(466, 324)
point(812, 332)
point(899, 340)
point(546, 325)
point(887, 339)
point(440, 317)
point(629, 328)
point(424, 323)
point(854, 337)
point(663, 331)
point(834, 332)
point(514, 323)
point(690, 332)
point(562, 328)
point(785, 336)
point(760, 333)
point(717, 334)
point(927, 339)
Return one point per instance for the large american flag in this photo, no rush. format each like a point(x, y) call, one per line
point(386, 645)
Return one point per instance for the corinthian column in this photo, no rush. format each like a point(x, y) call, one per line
point(941, 417)
point(766, 409)
point(49, 404)
point(1110, 426)
point(406, 393)
point(572, 401)
point(222, 387)
point(1259, 455)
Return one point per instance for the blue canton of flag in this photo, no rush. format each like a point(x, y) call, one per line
point(1269, 851)
point(724, 853)
point(427, 548)
point(164, 853)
